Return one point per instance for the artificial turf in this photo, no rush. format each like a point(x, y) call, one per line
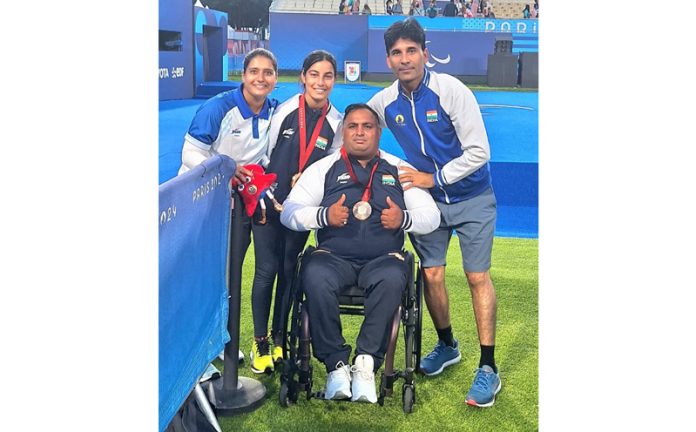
point(440, 399)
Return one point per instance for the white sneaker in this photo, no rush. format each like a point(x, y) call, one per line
point(338, 383)
point(364, 379)
point(221, 356)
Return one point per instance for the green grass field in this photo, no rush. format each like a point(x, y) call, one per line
point(440, 399)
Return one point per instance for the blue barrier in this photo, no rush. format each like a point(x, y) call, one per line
point(176, 62)
point(499, 25)
point(293, 36)
point(193, 308)
point(456, 53)
point(458, 46)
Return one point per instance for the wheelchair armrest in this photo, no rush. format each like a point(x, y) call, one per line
point(410, 259)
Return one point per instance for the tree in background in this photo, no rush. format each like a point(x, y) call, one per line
point(247, 14)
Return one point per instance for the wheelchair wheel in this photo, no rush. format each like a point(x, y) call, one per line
point(283, 394)
point(419, 318)
point(287, 394)
point(408, 397)
point(310, 383)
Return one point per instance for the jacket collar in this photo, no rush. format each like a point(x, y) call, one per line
point(244, 108)
point(421, 86)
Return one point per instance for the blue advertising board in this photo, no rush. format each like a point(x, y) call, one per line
point(459, 46)
point(175, 50)
point(293, 36)
point(456, 53)
point(498, 25)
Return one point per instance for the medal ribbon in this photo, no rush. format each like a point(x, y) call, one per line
point(367, 193)
point(305, 147)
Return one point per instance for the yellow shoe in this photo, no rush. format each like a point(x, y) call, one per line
point(277, 354)
point(261, 360)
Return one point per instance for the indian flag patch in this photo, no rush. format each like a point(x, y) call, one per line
point(388, 179)
point(321, 143)
point(431, 116)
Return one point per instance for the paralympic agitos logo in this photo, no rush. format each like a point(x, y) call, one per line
point(436, 58)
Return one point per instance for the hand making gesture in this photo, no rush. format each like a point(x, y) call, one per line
point(392, 216)
point(338, 213)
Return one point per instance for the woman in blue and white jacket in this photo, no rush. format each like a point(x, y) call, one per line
point(236, 123)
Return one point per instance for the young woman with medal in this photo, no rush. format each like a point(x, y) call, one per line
point(305, 128)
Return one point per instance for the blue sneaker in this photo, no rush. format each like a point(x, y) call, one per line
point(486, 385)
point(440, 357)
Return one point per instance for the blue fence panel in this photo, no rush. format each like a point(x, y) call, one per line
point(456, 53)
point(461, 24)
point(293, 36)
point(459, 46)
point(193, 307)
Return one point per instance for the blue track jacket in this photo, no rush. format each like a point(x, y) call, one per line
point(441, 131)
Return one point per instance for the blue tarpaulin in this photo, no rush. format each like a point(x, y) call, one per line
point(194, 222)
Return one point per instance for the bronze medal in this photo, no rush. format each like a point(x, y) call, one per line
point(294, 179)
point(362, 210)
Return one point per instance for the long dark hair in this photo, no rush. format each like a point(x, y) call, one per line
point(260, 52)
point(317, 56)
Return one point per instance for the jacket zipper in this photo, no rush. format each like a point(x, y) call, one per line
point(422, 140)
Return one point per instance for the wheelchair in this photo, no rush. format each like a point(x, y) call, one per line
point(296, 375)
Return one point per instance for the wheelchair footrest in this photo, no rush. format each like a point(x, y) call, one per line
point(386, 386)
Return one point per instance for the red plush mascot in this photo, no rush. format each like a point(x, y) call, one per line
point(254, 188)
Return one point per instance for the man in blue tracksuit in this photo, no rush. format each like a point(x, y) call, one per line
point(437, 121)
point(355, 201)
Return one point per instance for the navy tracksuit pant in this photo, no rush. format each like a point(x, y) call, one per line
point(324, 274)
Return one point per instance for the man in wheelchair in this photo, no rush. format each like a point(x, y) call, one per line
point(355, 202)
